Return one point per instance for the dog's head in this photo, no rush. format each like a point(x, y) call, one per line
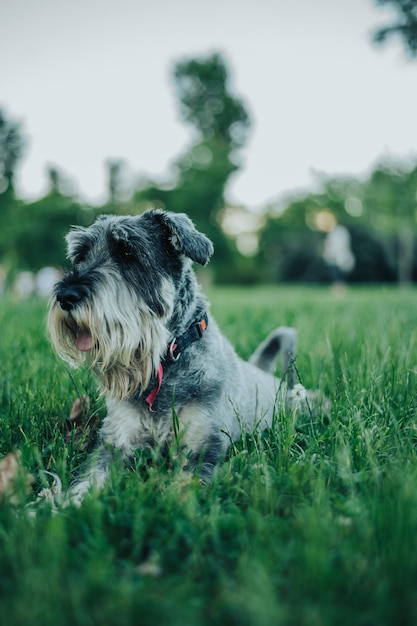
point(114, 305)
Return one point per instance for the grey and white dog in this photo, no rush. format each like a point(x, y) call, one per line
point(131, 307)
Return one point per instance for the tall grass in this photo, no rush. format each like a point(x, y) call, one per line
point(313, 522)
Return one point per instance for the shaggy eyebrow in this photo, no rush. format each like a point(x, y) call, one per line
point(78, 246)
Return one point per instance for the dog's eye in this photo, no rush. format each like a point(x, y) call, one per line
point(122, 251)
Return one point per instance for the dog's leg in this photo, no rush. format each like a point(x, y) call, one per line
point(203, 462)
point(94, 477)
point(282, 341)
point(201, 439)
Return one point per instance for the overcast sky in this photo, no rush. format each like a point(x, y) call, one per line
point(91, 79)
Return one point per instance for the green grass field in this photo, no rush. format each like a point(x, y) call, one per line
point(312, 523)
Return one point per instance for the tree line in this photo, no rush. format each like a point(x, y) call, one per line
point(31, 233)
point(286, 241)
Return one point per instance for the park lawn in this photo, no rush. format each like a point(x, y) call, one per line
point(311, 523)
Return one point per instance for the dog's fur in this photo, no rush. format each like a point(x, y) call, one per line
point(130, 292)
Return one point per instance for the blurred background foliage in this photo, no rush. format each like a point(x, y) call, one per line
point(282, 242)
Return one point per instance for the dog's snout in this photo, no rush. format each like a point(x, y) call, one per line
point(69, 297)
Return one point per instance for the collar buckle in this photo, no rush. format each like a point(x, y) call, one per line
point(201, 327)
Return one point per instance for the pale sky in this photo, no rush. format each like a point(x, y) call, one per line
point(91, 80)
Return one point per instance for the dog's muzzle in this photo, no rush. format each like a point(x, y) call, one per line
point(69, 297)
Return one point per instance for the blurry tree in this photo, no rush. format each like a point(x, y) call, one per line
point(390, 203)
point(291, 240)
point(391, 189)
point(291, 252)
point(379, 212)
point(11, 150)
point(12, 144)
point(117, 186)
point(220, 123)
point(54, 180)
point(40, 226)
point(58, 182)
point(206, 101)
point(405, 24)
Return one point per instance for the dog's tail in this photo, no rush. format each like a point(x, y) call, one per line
point(282, 340)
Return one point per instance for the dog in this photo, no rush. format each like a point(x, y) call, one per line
point(132, 308)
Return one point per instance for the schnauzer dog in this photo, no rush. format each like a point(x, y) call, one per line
point(131, 307)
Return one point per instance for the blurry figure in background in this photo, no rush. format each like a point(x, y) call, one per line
point(28, 284)
point(45, 281)
point(338, 254)
point(24, 285)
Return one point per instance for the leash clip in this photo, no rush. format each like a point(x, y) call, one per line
point(171, 347)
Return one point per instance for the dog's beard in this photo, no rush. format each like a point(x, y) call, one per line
point(121, 339)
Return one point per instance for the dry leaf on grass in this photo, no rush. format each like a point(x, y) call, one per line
point(151, 566)
point(80, 426)
point(11, 471)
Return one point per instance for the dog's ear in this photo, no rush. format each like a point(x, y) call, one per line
point(185, 238)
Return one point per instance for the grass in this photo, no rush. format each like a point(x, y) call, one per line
point(313, 522)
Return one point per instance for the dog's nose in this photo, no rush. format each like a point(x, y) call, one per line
point(68, 298)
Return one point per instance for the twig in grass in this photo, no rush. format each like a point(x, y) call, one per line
point(81, 428)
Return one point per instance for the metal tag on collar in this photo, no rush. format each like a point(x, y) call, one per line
point(171, 347)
